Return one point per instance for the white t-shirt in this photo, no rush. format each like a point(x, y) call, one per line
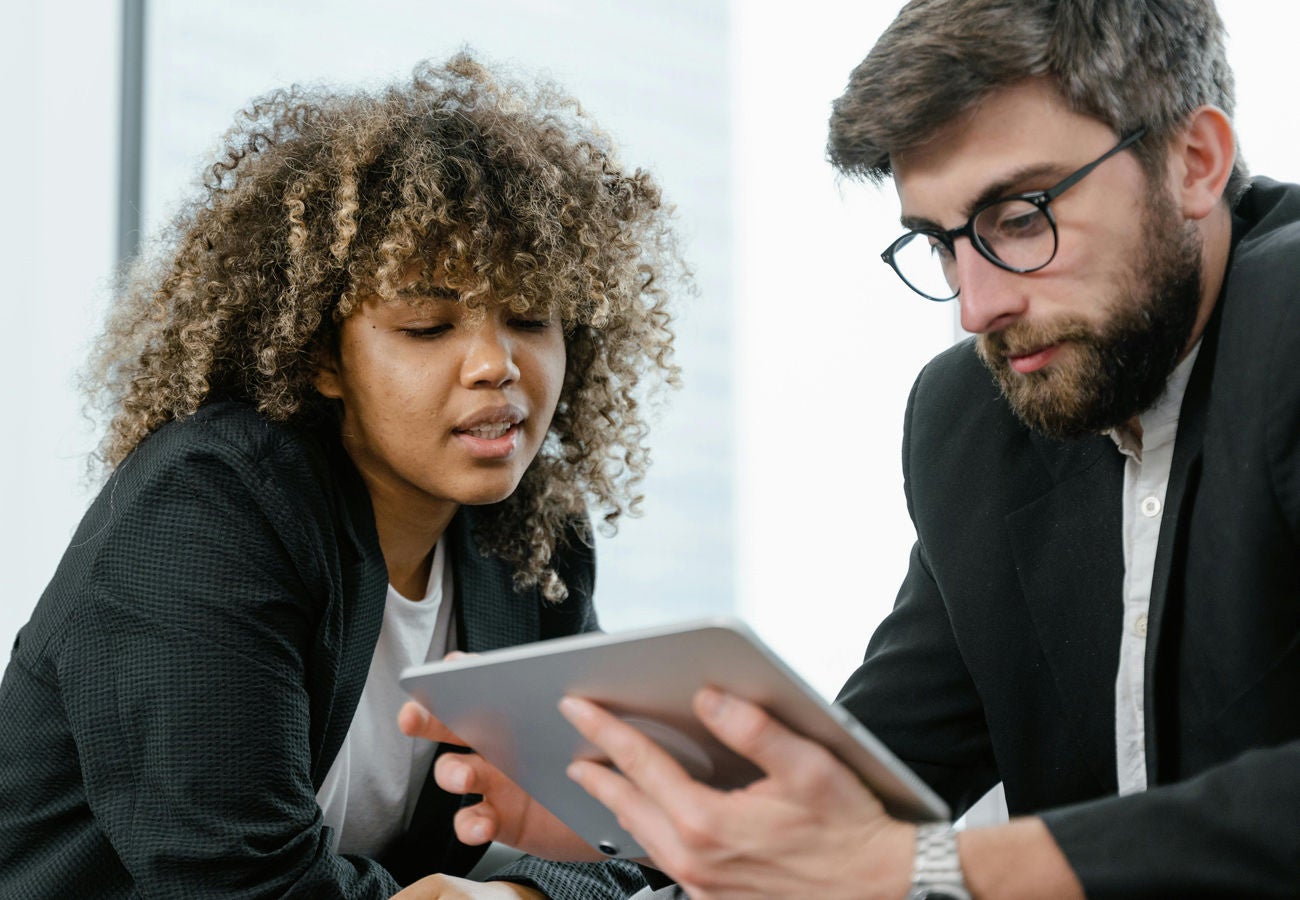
point(369, 795)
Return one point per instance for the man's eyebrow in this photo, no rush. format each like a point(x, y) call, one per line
point(1008, 185)
point(1014, 183)
point(916, 223)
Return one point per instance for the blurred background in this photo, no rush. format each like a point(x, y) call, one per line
point(776, 493)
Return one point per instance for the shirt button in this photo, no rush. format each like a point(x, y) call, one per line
point(1151, 506)
point(1140, 625)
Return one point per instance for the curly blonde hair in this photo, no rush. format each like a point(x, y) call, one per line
point(320, 196)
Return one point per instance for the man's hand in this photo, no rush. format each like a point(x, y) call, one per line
point(506, 813)
point(808, 828)
point(446, 887)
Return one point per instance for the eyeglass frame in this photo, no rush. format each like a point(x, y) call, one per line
point(1038, 199)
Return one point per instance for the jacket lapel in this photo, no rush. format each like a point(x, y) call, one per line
point(1164, 617)
point(1068, 552)
point(490, 613)
point(355, 611)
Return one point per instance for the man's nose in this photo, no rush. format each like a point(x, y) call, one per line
point(991, 298)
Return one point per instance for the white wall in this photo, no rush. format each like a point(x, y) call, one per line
point(1261, 49)
point(828, 342)
point(57, 241)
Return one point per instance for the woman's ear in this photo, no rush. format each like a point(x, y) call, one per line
point(328, 381)
point(1203, 157)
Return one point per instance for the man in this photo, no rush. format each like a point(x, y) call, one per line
point(1103, 604)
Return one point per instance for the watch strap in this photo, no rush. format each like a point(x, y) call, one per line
point(936, 870)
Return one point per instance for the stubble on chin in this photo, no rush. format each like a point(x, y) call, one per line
point(1056, 401)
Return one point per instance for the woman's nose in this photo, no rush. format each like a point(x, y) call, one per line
point(489, 361)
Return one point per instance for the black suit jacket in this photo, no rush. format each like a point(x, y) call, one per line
point(189, 675)
point(999, 659)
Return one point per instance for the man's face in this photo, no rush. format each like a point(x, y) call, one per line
point(1087, 342)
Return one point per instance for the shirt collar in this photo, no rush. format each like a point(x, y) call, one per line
point(1160, 420)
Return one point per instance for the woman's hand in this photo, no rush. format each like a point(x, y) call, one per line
point(447, 887)
point(506, 813)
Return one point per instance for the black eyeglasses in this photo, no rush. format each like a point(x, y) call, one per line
point(1014, 233)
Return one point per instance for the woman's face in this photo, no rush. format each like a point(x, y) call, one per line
point(443, 405)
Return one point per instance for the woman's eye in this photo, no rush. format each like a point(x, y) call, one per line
point(530, 324)
point(425, 331)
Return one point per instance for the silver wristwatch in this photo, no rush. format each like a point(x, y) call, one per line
point(936, 873)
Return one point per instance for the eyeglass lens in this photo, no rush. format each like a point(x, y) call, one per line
point(1014, 233)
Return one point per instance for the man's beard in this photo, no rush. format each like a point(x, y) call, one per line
point(1117, 370)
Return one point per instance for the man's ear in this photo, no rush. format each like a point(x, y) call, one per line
point(327, 378)
point(1203, 156)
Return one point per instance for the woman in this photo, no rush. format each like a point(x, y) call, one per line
point(360, 401)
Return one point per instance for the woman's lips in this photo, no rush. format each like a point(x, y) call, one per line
point(491, 432)
point(491, 441)
point(1032, 362)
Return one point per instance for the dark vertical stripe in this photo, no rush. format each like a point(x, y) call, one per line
point(131, 145)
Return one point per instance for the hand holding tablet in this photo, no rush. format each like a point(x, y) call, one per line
point(504, 705)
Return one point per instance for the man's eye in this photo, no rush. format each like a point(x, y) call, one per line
point(939, 249)
point(1026, 222)
point(1020, 222)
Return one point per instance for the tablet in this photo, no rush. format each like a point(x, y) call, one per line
point(503, 703)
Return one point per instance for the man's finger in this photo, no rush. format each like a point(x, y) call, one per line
point(654, 798)
point(637, 813)
point(785, 756)
point(643, 761)
point(416, 721)
point(750, 730)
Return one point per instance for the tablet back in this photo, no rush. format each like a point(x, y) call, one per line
point(503, 703)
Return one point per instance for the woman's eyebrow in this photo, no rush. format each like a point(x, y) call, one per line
point(429, 292)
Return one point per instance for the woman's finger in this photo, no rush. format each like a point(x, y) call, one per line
point(416, 721)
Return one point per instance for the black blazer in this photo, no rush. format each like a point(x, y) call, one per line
point(999, 659)
point(189, 675)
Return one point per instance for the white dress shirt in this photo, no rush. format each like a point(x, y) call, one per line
point(1146, 476)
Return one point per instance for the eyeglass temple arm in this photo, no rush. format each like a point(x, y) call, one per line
point(1060, 188)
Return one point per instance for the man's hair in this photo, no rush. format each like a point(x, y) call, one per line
point(1127, 63)
point(319, 197)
